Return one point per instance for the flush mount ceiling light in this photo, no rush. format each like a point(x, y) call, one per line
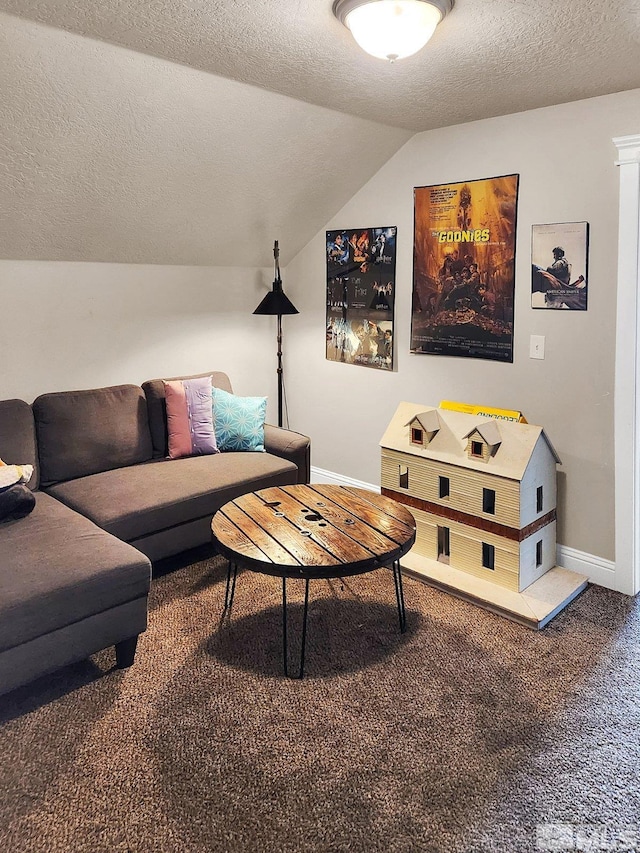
point(391, 29)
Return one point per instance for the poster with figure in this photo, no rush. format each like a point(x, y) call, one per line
point(361, 285)
point(464, 268)
point(559, 261)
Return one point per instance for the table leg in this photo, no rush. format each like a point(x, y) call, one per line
point(397, 578)
point(285, 655)
point(304, 626)
point(232, 573)
point(284, 627)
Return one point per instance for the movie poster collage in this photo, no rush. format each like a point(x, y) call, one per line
point(463, 276)
point(361, 270)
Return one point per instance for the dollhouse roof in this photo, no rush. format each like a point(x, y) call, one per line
point(515, 442)
point(489, 431)
point(429, 420)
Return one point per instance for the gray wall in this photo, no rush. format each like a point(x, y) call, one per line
point(83, 325)
point(565, 159)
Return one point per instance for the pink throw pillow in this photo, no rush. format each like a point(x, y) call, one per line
point(190, 417)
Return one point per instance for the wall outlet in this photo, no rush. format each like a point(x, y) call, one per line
point(536, 346)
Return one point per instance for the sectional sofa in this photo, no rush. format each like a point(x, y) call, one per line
point(75, 573)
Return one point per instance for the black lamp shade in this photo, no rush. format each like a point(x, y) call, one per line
point(276, 302)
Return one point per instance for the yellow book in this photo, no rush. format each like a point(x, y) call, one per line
point(484, 411)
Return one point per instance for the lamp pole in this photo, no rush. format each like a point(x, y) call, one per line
point(277, 288)
point(277, 303)
point(279, 370)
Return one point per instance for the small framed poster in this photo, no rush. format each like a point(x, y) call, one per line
point(559, 265)
point(361, 284)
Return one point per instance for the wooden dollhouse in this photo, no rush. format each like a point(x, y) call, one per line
point(483, 492)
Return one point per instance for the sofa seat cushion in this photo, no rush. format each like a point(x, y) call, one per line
point(143, 499)
point(57, 567)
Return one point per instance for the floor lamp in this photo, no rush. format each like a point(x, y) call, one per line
point(277, 303)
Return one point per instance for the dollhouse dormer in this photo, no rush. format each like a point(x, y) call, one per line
point(423, 427)
point(483, 441)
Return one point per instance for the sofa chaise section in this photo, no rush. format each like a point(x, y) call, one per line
point(67, 588)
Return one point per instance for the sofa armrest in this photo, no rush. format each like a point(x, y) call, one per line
point(290, 445)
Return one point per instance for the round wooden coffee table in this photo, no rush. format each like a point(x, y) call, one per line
point(313, 532)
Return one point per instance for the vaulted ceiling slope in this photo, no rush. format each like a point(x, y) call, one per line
point(487, 58)
point(112, 155)
point(198, 131)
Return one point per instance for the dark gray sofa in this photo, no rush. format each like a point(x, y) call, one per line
point(75, 574)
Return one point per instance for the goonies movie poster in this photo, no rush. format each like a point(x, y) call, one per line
point(361, 292)
point(464, 268)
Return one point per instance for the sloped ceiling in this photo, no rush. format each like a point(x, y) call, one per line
point(111, 155)
point(197, 131)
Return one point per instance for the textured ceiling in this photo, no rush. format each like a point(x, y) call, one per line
point(488, 57)
point(110, 155)
point(198, 131)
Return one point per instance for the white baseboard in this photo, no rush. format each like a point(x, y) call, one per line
point(319, 475)
point(597, 569)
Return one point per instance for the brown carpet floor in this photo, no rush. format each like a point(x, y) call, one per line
point(466, 734)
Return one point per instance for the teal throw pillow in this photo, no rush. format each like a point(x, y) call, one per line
point(238, 422)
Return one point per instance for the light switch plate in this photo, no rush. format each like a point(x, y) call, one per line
point(536, 346)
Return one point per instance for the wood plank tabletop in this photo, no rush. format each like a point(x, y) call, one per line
point(313, 531)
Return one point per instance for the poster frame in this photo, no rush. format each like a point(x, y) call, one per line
point(360, 282)
point(562, 234)
point(492, 327)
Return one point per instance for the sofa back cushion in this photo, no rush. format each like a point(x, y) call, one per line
point(85, 432)
point(18, 437)
point(157, 406)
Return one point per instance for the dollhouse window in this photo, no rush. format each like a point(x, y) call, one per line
point(488, 556)
point(489, 501)
point(539, 553)
point(476, 448)
point(443, 487)
point(403, 476)
point(444, 548)
point(539, 499)
point(416, 435)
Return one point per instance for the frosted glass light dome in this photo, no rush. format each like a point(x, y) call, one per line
point(391, 29)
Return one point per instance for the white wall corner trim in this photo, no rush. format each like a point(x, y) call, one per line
point(597, 569)
point(628, 149)
point(627, 371)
